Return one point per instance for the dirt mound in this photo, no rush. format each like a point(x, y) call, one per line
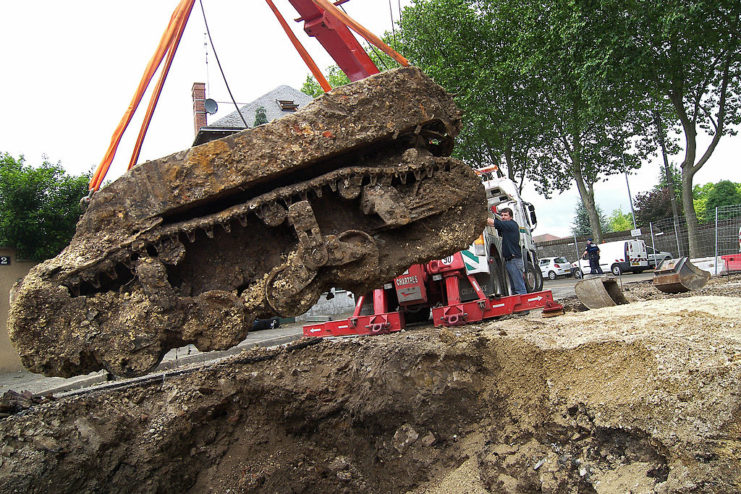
point(636, 398)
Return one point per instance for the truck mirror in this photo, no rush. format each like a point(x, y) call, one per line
point(533, 217)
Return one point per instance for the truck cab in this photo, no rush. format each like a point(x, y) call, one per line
point(501, 192)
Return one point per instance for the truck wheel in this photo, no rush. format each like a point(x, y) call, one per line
point(533, 278)
point(552, 275)
point(616, 270)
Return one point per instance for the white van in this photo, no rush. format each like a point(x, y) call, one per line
point(620, 257)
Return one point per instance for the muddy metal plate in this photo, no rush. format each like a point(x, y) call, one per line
point(600, 292)
point(679, 275)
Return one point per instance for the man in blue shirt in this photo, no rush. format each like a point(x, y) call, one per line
point(509, 230)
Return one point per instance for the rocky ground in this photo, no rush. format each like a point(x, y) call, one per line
point(643, 397)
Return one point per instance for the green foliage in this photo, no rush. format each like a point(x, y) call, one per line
point(710, 196)
point(538, 98)
point(334, 76)
point(260, 117)
point(469, 48)
point(39, 207)
point(581, 226)
point(619, 221)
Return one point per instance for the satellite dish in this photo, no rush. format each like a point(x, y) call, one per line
point(211, 106)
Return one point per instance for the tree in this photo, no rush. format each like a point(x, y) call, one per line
point(711, 196)
point(260, 117)
point(619, 221)
point(653, 205)
point(39, 207)
point(582, 226)
point(466, 46)
point(686, 55)
point(334, 76)
point(660, 202)
point(536, 94)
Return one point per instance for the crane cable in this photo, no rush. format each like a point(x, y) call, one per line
point(216, 56)
point(167, 43)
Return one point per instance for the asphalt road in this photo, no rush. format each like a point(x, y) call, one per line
point(564, 287)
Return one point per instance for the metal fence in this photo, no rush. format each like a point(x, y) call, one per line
point(718, 237)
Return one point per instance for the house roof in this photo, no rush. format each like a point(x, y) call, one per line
point(269, 101)
point(232, 123)
point(546, 237)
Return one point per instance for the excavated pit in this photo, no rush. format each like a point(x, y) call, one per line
point(638, 398)
point(191, 248)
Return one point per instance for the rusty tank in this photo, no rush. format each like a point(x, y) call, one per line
point(190, 248)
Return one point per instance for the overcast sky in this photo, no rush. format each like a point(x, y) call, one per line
point(70, 70)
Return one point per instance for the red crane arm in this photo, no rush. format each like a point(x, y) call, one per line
point(337, 39)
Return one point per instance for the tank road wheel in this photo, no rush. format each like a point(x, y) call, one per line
point(289, 291)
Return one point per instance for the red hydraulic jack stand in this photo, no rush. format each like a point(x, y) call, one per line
point(436, 286)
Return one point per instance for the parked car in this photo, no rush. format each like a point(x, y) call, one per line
point(656, 257)
point(271, 323)
point(553, 267)
point(619, 257)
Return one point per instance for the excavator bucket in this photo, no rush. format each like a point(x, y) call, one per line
point(600, 292)
point(679, 275)
point(347, 192)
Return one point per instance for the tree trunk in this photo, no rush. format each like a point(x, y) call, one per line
point(586, 191)
point(689, 168)
point(667, 169)
point(689, 212)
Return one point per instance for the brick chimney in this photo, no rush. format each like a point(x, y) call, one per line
point(199, 106)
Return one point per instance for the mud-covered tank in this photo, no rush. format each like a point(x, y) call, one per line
point(190, 248)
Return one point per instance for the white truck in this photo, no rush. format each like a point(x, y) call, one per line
point(483, 258)
point(620, 257)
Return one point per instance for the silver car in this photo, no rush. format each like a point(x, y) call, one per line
point(656, 257)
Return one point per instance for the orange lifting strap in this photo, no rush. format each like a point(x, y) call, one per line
point(168, 44)
point(330, 8)
point(300, 49)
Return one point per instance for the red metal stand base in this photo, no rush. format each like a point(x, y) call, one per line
point(357, 325)
point(450, 315)
point(477, 310)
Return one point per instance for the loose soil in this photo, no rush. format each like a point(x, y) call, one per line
point(643, 397)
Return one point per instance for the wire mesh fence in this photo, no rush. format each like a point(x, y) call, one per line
point(719, 236)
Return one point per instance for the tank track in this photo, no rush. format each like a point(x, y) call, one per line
point(271, 209)
point(168, 256)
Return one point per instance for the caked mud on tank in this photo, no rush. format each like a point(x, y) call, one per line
point(190, 248)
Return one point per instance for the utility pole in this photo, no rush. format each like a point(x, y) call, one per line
point(630, 198)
